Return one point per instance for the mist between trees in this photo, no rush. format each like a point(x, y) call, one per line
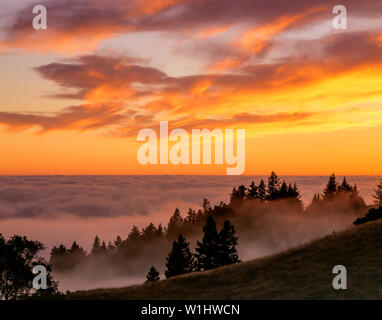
point(260, 219)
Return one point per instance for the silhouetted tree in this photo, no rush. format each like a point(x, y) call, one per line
point(134, 234)
point(96, 245)
point(234, 197)
point(371, 215)
point(261, 190)
point(207, 255)
point(159, 232)
point(191, 217)
point(273, 186)
point(227, 245)
point(295, 197)
point(180, 260)
point(241, 192)
point(77, 254)
point(153, 275)
point(238, 195)
point(331, 188)
point(174, 224)
point(118, 241)
point(206, 206)
point(345, 186)
point(284, 191)
point(252, 191)
point(18, 256)
point(149, 232)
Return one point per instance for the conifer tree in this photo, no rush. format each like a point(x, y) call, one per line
point(234, 196)
point(96, 245)
point(191, 216)
point(261, 190)
point(180, 260)
point(206, 206)
point(207, 255)
point(159, 231)
point(331, 188)
point(252, 191)
point(134, 234)
point(174, 224)
point(228, 243)
point(77, 252)
point(118, 241)
point(284, 191)
point(345, 186)
point(152, 275)
point(241, 192)
point(273, 186)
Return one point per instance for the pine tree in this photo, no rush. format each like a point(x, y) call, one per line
point(206, 206)
point(96, 245)
point(345, 186)
point(228, 242)
point(152, 275)
point(174, 224)
point(261, 190)
point(159, 231)
point(234, 197)
point(378, 194)
point(180, 260)
point(191, 216)
point(149, 232)
point(77, 252)
point(331, 188)
point(252, 191)
point(208, 250)
point(118, 241)
point(284, 191)
point(295, 197)
point(134, 234)
point(273, 186)
point(241, 192)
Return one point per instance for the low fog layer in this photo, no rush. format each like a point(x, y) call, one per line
point(61, 209)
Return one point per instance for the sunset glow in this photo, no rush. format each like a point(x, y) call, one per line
point(73, 97)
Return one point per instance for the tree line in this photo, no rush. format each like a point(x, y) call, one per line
point(264, 196)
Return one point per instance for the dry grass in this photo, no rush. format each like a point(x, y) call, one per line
point(300, 273)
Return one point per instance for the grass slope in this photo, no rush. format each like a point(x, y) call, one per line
point(304, 272)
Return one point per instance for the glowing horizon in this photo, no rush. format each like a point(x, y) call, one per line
point(73, 97)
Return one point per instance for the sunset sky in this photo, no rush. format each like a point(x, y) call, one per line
point(73, 97)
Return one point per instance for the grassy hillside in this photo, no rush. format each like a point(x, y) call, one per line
point(299, 273)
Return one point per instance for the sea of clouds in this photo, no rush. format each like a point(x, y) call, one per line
point(61, 209)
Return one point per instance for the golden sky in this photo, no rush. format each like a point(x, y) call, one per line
point(73, 97)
